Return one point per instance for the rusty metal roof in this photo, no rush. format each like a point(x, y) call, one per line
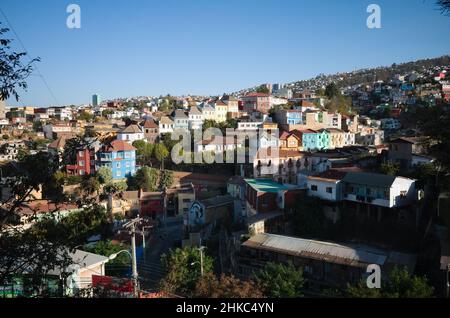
point(331, 252)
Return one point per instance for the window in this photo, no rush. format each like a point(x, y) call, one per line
point(314, 188)
point(403, 194)
point(118, 173)
point(118, 165)
point(127, 164)
point(81, 163)
point(80, 153)
point(329, 190)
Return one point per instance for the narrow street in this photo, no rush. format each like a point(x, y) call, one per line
point(149, 265)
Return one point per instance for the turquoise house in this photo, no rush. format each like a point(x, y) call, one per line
point(309, 140)
point(323, 139)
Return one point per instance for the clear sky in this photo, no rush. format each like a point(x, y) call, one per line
point(133, 47)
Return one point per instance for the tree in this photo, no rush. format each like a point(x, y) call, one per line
point(331, 91)
point(227, 286)
point(389, 168)
point(263, 89)
point(117, 266)
point(399, 284)
point(115, 187)
point(281, 281)
point(161, 153)
point(105, 175)
point(144, 151)
point(166, 179)
point(147, 178)
point(13, 71)
point(90, 184)
point(444, 6)
point(84, 115)
point(183, 270)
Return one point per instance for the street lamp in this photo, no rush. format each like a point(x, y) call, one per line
point(201, 248)
point(135, 274)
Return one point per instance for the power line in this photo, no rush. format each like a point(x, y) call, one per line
point(39, 74)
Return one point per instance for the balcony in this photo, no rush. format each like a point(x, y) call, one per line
point(367, 199)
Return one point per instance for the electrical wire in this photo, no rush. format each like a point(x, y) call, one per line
point(39, 74)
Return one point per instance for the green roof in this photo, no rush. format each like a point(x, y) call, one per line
point(266, 185)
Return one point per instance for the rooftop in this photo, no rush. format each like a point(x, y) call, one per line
point(266, 185)
point(349, 254)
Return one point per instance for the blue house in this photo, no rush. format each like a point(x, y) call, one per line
point(120, 157)
point(309, 140)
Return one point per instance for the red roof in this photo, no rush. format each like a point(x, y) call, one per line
point(331, 175)
point(150, 123)
point(118, 145)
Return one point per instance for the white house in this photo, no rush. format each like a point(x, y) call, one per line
point(130, 134)
point(326, 185)
point(379, 189)
point(195, 118)
point(166, 125)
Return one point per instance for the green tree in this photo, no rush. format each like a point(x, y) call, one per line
point(281, 281)
point(399, 284)
point(84, 115)
point(166, 179)
point(161, 153)
point(115, 187)
point(105, 175)
point(263, 89)
point(183, 270)
point(117, 266)
point(13, 71)
point(146, 178)
point(90, 184)
point(331, 91)
point(144, 151)
point(389, 168)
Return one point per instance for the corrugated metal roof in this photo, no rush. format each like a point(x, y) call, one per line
point(317, 249)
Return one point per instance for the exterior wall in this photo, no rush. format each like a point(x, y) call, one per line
point(152, 208)
point(165, 128)
point(130, 137)
point(323, 140)
point(151, 134)
point(366, 194)
point(121, 163)
point(403, 192)
point(185, 200)
point(310, 141)
point(220, 114)
point(336, 140)
point(261, 202)
point(85, 163)
point(325, 190)
point(401, 152)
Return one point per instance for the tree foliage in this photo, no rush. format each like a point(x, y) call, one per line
point(183, 270)
point(309, 219)
point(399, 284)
point(281, 281)
point(226, 286)
point(13, 70)
point(144, 152)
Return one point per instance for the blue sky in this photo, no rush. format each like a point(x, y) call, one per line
point(133, 47)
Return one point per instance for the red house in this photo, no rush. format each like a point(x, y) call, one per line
point(84, 162)
point(152, 204)
point(256, 102)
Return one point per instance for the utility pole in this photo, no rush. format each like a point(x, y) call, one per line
point(201, 259)
point(132, 226)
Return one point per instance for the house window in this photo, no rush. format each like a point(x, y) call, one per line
point(118, 173)
point(313, 188)
point(329, 190)
point(118, 165)
point(81, 163)
point(403, 194)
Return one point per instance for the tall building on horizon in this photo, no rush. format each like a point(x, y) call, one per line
point(96, 100)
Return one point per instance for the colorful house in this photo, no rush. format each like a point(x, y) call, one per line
point(120, 157)
point(323, 139)
point(309, 139)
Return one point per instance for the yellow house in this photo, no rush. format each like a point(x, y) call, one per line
point(337, 138)
point(221, 110)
